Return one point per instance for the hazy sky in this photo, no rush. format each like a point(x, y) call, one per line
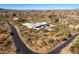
point(39, 6)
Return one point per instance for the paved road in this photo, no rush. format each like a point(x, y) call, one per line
point(22, 49)
point(65, 44)
point(20, 46)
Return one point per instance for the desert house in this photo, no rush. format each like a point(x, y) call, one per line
point(38, 26)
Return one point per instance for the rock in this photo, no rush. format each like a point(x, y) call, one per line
point(16, 18)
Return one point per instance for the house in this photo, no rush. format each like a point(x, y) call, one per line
point(38, 26)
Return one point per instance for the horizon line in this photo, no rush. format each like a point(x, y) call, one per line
point(40, 6)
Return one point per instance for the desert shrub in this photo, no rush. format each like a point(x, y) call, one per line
point(19, 21)
point(5, 38)
point(64, 39)
point(14, 14)
point(75, 48)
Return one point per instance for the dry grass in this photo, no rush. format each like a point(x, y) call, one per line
point(6, 43)
point(75, 46)
point(44, 40)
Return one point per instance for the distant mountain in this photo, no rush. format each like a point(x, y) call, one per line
point(5, 9)
point(1, 9)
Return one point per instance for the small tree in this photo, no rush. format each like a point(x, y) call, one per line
point(14, 14)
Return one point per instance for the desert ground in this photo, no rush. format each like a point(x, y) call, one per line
point(21, 32)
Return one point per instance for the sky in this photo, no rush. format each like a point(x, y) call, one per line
point(39, 6)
